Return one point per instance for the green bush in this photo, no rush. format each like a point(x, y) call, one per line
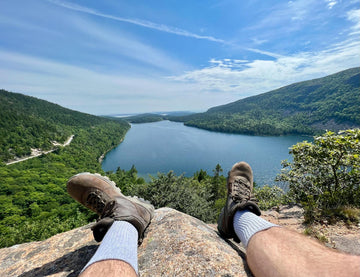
point(270, 197)
point(325, 175)
point(177, 192)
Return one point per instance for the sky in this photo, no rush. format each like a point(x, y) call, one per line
point(125, 56)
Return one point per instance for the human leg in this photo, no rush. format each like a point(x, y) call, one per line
point(122, 223)
point(273, 251)
point(119, 246)
point(109, 268)
point(281, 252)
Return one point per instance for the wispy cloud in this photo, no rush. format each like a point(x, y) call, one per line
point(266, 53)
point(89, 91)
point(125, 46)
point(258, 76)
point(257, 41)
point(354, 16)
point(160, 27)
point(331, 3)
point(138, 22)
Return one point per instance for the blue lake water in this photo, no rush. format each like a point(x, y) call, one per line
point(164, 146)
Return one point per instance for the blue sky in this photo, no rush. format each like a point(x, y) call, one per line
point(112, 57)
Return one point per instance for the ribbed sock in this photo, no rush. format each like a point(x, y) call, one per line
point(119, 243)
point(247, 224)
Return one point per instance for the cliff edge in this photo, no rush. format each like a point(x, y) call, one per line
point(176, 244)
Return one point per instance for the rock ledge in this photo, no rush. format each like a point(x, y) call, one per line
point(176, 244)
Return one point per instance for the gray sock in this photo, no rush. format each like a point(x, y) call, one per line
point(119, 243)
point(247, 224)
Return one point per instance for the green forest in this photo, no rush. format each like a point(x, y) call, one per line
point(34, 203)
point(310, 107)
point(27, 122)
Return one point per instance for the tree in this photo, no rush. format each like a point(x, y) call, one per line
point(325, 174)
point(177, 192)
point(218, 188)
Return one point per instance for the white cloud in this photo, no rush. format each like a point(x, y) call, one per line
point(260, 76)
point(135, 21)
point(127, 46)
point(354, 16)
point(331, 3)
point(228, 63)
point(224, 80)
point(257, 41)
point(98, 93)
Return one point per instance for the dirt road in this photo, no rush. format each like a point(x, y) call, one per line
point(36, 152)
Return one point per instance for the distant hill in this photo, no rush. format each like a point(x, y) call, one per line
point(27, 122)
point(144, 118)
point(154, 117)
point(309, 107)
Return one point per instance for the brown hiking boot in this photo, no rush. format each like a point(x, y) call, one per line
point(92, 190)
point(134, 210)
point(239, 197)
point(101, 195)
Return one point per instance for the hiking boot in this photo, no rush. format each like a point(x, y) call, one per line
point(101, 195)
point(92, 190)
point(134, 210)
point(239, 197)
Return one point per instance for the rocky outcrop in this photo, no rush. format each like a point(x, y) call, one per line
point(176, 244)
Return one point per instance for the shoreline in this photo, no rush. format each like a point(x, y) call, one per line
point(101, 158)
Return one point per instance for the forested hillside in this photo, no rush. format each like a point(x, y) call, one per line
point(154, 117)
point(328, 103)
point(27, 122)
point(34, 203)
point(144, 118)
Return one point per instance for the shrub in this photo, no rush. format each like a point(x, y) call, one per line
point(269, 197)
point(325, 175)
point(177, 192)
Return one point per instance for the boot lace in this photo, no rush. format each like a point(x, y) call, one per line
point(241, 190)
point(108, 209)
point(95, 200)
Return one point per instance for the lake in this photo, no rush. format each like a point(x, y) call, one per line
point(165, 145)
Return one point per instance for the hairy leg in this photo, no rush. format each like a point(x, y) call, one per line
point(281, 252)
point(117, 254)
point(109, 268)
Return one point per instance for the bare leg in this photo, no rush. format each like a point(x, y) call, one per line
point(272, 250)
point(121, 227)
point(281, 252)
point(109, 268)
point(117, 254)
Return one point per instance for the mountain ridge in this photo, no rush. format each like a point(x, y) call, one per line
point(31, 123)
point(309, 107)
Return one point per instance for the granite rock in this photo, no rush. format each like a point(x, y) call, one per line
point(176, 244)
